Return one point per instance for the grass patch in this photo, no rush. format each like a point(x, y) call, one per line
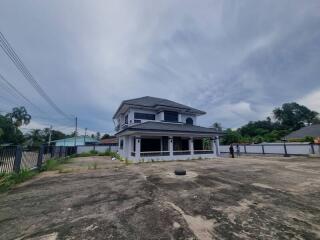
point(55, 164)
point(8, 180)
point(93, 166)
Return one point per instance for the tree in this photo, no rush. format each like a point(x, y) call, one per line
point(105, 136)
point(293, 116)
point(35, 137)
point(19, 116)
point(9, 128)
point(217, 126)
point(98, 135)
point(55, 135)
point(231, 137)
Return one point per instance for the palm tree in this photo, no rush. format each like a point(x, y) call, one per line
point(19, 116)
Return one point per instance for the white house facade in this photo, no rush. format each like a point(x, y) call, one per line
point(156, 129)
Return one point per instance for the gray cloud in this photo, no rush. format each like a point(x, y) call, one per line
point(235, 60)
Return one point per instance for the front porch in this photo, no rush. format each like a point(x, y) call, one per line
point(162, 148)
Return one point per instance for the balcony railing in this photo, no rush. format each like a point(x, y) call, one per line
point(202, 152)
point(184, 152)
point(154, 154)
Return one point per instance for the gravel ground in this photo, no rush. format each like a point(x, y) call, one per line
point(96, 198)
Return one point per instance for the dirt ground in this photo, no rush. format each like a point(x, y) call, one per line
point(96, 198)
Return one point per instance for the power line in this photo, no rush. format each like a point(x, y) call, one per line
point(5, 45)
point(19, 93)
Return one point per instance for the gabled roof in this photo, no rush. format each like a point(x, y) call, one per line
point(169, 127)
point(158, 103)
point(312, 131)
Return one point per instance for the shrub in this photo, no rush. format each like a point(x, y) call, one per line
point(8, 180)
point(93, 152)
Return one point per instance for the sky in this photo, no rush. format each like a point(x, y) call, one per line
point(236, 60)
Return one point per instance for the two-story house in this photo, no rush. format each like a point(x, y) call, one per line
point(150, 128)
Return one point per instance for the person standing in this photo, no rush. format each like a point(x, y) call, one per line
point(238, 150)
point(231, 150)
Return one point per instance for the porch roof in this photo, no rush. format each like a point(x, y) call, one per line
point(169, 127)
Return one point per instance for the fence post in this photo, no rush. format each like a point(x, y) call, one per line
point(17, 159)
point(262, 149)
point(312, 148)
point(94, 146)
point(285, 150)
point(245, 149)
point(51, 149)
point(40, 157)
point(60, 151)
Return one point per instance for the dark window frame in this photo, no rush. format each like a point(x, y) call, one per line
point(189, 121)
point(170, 116)
point(144, 116)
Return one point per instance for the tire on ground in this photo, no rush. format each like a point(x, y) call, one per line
point(180, 172)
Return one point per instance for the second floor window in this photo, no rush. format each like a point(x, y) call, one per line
point(126, 119)
point(144, 116)
point(170, 116)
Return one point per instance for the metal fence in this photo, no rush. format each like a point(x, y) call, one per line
point(275, 148)
point(15, 158)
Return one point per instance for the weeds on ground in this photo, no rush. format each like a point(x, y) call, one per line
point(55, 164)
point(8, 180)
point(93, 166)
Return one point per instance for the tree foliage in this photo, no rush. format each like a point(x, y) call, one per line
point(293, 116)
point(288, 117)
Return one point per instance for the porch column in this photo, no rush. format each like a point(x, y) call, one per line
point(170, 144)
point(191, 149)
point(217, 146)
point(130, 146)
point(138, 147)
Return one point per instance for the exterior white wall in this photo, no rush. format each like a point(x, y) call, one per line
point(275, 148)
point(100, 149)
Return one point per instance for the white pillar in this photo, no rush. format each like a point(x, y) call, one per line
point(217, 146)
point(138, 147)
point(130, 145)
point(170, 144)
point(191, 149)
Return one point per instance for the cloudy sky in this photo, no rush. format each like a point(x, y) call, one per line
point(236, 60)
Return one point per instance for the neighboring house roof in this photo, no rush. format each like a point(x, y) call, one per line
point(169, 127)
point(158, 103)
point(109, 141)
point(312, 131)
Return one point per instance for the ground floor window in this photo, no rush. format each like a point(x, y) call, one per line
point(150, 144)
point(180, 144)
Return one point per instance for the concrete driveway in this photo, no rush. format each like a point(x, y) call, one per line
point(96, 198)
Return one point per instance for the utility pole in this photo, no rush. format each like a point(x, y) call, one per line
point(85, 134)
point(50, 132)
point(75, 132)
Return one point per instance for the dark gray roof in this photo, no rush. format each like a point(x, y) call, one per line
point(312, 131)
point(153, 102)
point(169, 127)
